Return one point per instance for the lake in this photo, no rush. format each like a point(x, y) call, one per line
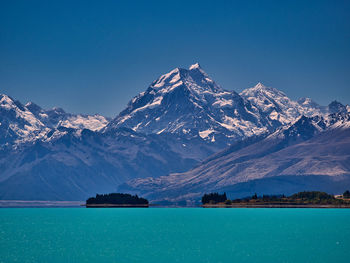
point(169, 235)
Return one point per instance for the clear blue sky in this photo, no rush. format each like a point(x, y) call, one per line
point(94, 56)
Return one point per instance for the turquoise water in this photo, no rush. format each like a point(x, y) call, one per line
point(174, 235)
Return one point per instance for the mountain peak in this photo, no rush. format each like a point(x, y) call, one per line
point(275, 104)
point(34, 108)
point(262, 90)
point(30, 103)
point(188, 102)
point(335, 102)
point(4, 97)
point(6, 101)
point(58, 110)
point(260, 86)
point(308, 102)
point(336, 106)
point(195, 66)
point(194, 78)
point(304, 100)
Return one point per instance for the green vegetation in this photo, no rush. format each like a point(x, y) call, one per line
point(301, 198)
point(314, 197)
point(346, 194)
point(117, 199)
point(213, 198)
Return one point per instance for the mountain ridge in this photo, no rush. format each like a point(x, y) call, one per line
point(182, 119)
point(293, 154)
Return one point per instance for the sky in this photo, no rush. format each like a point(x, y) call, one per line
point(94, 56)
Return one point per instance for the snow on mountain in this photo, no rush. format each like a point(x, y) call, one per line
point(181, 119)
point(188, 103)
point(17, 123)
point(26, 123)
point(303, 156)
point(92, 122)
point(56, 117)
point(311, 108)
point(282, 110)
point(339, 120)
point(336, 106)
point(278, 107)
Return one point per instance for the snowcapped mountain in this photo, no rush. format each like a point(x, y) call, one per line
point(311, 154)
point(188, 103)
point(184, 103)
point(26, 123)
point(181, 119)
point(56, 117)
point(17, 123)
point(280, 109)
point(311, 108)
point(336, 106)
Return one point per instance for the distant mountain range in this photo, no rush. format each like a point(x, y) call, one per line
point(182, 120)
point(310, 154)
point(29, 123)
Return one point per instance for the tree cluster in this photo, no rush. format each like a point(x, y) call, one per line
point(213, 198)
point(346, 194)
point(312, 195)
point(117, 198)
point(306, 197)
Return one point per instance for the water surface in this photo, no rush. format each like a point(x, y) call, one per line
point(174, 235)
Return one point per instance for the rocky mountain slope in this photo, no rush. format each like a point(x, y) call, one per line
point(189, 104)
point(181, 119)
point(280, 109)
point(75, 165)
point(313, 153)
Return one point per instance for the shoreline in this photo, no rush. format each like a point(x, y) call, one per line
point(114, 205)
point(275, 206)
point(38, 203)
point(81, 204)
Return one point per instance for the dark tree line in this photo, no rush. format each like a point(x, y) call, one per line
point(117, 198)
point(214, 198)
point(312, 195)
point(306, 197)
